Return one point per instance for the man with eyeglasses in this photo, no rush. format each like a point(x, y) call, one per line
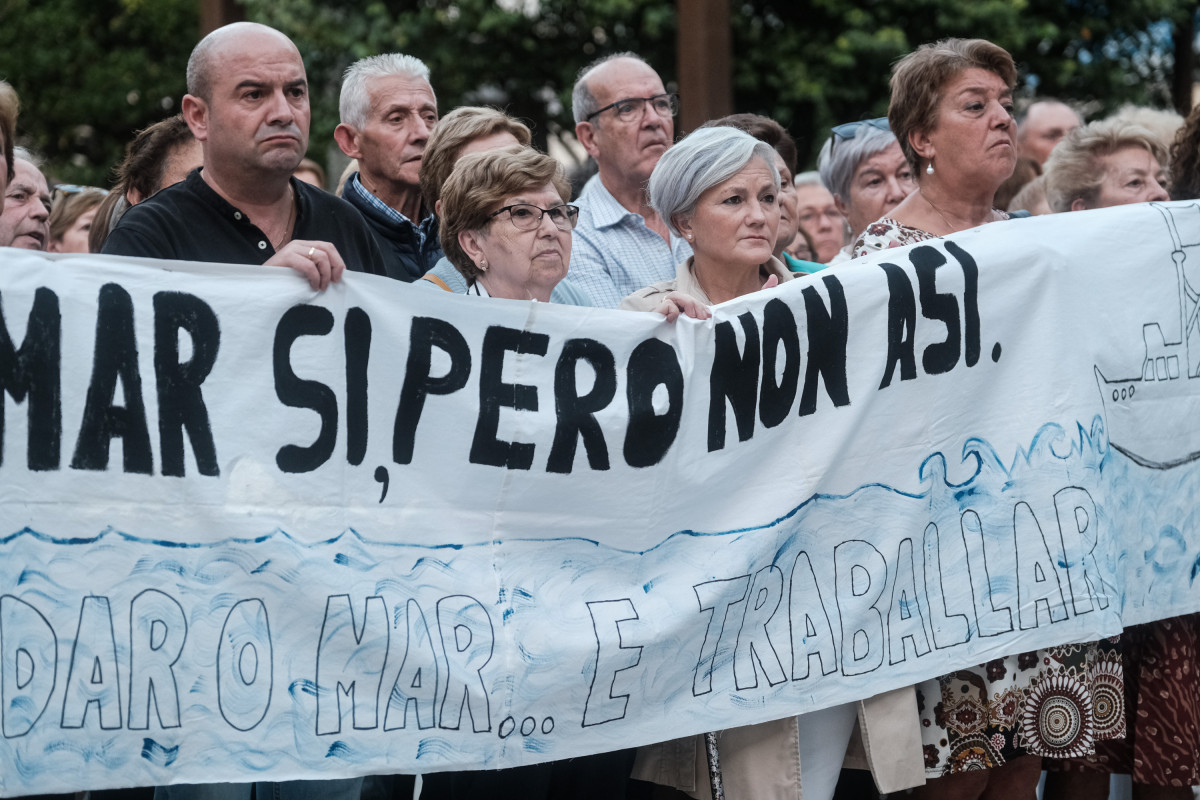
point(25, 220)
point(624, 118)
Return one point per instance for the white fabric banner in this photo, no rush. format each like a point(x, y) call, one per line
point(255, 532)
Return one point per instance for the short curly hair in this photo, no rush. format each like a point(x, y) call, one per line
point(454, 132)
point(477, 187)
point(1074, 172)
point(919, 78)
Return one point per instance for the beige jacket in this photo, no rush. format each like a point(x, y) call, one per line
point(763, 761)
point(648, 299)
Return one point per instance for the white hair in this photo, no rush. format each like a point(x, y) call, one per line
point(700, 161)
point(355, 102)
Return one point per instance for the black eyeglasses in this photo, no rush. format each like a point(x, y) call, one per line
point(665, 105)
point(848, 130)
point(527, 217)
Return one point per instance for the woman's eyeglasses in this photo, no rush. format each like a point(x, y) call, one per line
point(526, 217)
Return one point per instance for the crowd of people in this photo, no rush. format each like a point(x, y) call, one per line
point(464, 204)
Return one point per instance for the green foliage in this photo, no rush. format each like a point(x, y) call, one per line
point(90, 72)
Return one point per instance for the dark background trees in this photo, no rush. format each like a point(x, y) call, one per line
point(90, 72)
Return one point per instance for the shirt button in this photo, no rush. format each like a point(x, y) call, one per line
point(237, 215)
point(262, 245)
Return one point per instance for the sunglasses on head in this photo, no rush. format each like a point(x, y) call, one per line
point(848, 130)
point(66, 189)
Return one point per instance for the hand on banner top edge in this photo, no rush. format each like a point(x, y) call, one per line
point(675, 303)
point(319, 262)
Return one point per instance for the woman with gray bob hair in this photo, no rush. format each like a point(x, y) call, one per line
point(699, 162)
point(719, 189)
point(865, 170)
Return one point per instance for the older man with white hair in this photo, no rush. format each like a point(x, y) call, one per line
point(24, 221)
point(388, 110)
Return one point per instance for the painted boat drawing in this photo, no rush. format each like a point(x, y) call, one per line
point(1135, 408)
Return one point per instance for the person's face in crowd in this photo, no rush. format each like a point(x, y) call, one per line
point(1131, 175)
point(789, 220)
point(735, 222)
point(1045, 125)
point(628, 148)
point(75, 240)
point(522, 264)
point(821, 220)
point(974, 137)
point(25, 221)
point(402, 114)
point(878, 185)
point(257, 119)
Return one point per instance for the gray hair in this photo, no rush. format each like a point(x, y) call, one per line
point(583, 102)
point(700, 161)
point(355, 101)
point(837, 171)
point(810, 178)
point(25, 154)
point(1074, 171)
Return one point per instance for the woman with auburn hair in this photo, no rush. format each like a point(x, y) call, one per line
point(983, 729)
point(72, 210)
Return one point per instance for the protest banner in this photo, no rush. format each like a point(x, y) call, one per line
point(255, 532)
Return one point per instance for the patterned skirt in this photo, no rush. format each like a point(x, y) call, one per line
point(1057, 702)
point(1162, 695)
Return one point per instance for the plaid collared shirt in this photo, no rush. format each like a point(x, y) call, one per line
point(613, 253)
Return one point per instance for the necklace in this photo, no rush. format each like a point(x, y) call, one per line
point(950, 228)
point(946, 222)
point(287, 226)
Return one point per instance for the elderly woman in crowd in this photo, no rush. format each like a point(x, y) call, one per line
point(1106, 163)
point(719, 189)
point(983, 728)
point(506, 223)
point(952, 112)
point(506, 227)
point(1110, 163)
point(867, 173)
point(819, 217)
point(768, 130)
point(465, 130)
point(71, 213)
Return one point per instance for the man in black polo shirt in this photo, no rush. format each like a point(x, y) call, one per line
point(247, 105)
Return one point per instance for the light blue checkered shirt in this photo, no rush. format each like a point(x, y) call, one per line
point(613, 253)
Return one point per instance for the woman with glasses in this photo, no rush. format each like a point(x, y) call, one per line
point(72, 209)
point(867, 174)
point(506, 223)
point(506, 226)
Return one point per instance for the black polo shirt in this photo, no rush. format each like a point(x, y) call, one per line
point(191, 222)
